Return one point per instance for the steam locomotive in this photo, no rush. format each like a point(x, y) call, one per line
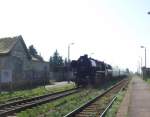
point(91, 71)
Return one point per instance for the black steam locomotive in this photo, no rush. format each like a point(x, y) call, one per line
point(91, 71)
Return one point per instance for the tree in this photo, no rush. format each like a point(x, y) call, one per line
point(56, 61)
point(32, 50)
point(127, 70)
point(34, 54)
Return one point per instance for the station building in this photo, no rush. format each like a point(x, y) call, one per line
point(146, 72)
point(18, 68)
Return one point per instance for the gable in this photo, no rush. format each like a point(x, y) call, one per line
point(20, 50)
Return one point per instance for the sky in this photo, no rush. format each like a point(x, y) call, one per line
point(107, 30)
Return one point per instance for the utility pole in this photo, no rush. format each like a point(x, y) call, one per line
point(69, 51)
point(145, 54)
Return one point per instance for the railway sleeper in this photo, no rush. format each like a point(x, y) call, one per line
point(85, 115)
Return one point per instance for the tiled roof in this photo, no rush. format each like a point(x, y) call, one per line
point(6, 44)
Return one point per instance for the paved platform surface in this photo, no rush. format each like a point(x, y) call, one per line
point(140, 98)
point(137, 100)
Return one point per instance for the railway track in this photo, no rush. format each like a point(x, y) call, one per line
point(16, 106)
point(98, 105)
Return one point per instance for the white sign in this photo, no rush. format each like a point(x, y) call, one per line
point(6, 76)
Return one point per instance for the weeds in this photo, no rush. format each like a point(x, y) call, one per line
point(113, 110)
point(34, 92)
point(61, 107)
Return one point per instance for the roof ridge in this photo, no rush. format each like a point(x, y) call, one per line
point(7, 44)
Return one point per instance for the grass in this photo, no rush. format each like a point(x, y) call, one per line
point(62, 106)
point(5, 96)
point(147, 80)
point(116, 104)
point(113, 110)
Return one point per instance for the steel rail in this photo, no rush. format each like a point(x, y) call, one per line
point(108, 107)
point(112, 101)
point(33, 98)
point(16, 106)
point(82, 107)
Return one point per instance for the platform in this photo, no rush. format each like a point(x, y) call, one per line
point(137, 100)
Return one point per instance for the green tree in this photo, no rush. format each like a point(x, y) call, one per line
point(34, 54)
point(56, 61)
point(127, 70)
point(32, 50)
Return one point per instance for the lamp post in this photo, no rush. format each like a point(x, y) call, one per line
point(69, 51)
point(141, 67)
point(145, 54)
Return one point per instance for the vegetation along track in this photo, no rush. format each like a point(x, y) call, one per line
point(16, 106)
point(97, 106)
